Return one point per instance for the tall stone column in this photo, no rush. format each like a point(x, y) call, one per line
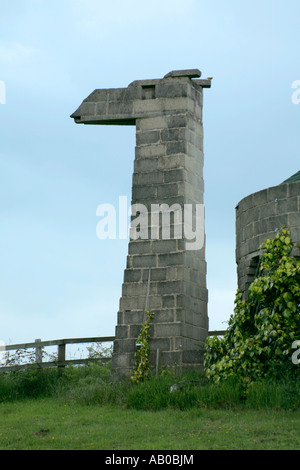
point(166, 267)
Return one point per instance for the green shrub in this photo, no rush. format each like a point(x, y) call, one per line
point(274, 395)
point(152, 394)
point(141, 370)
point(31, 383)
point(259, 338)
point(183, 393)
point(91, 385)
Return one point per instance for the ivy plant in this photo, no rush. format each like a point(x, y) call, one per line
point(142, 367)
point(263, 327)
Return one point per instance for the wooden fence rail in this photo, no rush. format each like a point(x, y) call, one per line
point(61, 352)
point(61, 362)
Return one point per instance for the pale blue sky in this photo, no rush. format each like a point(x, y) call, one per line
point(56, 278)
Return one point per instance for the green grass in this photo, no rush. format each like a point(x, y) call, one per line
point(83, 409)
point(48, 424)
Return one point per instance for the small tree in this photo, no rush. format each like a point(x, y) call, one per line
point(260, 334)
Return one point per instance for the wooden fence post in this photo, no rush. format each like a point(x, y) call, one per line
point(38, 352)
point(61, 355)
point(157, 361)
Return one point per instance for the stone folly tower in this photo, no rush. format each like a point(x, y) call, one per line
point(166, 267)
point(259, 216)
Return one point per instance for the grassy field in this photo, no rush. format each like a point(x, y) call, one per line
point(83, 409)
point(47, 424)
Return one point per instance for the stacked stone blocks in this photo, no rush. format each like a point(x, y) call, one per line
point(260, 216)
point(168, 169)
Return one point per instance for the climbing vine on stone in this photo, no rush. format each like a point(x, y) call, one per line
point(142, 366)
point(260, 334)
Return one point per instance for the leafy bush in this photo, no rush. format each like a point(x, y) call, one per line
point(260, 334)
point(142, 367)
point(280, 395)
point(31, 383)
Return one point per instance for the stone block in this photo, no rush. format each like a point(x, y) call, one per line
point(120, 360)
point(119, 108)
point(265, 210)
point(277, 222)
point(287, 205)
point(122, 331)
point(164, 316)
point(90, 108)
point(173, 148)
point(157, 274)
point(191, 73)
point(260, 226)
point(142, 192)
point(139, 247)
point(152, 123)
point(172, 89)
point(170, 287)
point(153, 177)
point(261, 197)
point(135, 317)
point(171, 161)
point(173, 134)
point(164, 246)
point(171, 359)
point(145, 165)
point(177, 120)
point(134, 289)
point(132, 275)
point(294, 189)
point(165, 330)
point(174, 175)
point(278, 192)
point(101, 108)
point(163, 344)
point(144, 261)
point(294, 219)
point(150, 151)
point(168, 301)
point(146, 138)
point(98, 95)
point(167, 190)
point(134, 331)
point(155, 302)
point(127, 303)
point(245, 204)
point(171, 259)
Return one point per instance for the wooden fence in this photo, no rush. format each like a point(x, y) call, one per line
point(38, 345)
point(61, 362)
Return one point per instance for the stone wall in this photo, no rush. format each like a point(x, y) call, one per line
point(168, 169)
point(260, 216)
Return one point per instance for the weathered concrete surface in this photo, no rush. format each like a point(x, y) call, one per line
point(259, 216)
point(168, 169)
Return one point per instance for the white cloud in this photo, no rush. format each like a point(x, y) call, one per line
point(96, 19)
point(17, 54)
point(34, 69)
